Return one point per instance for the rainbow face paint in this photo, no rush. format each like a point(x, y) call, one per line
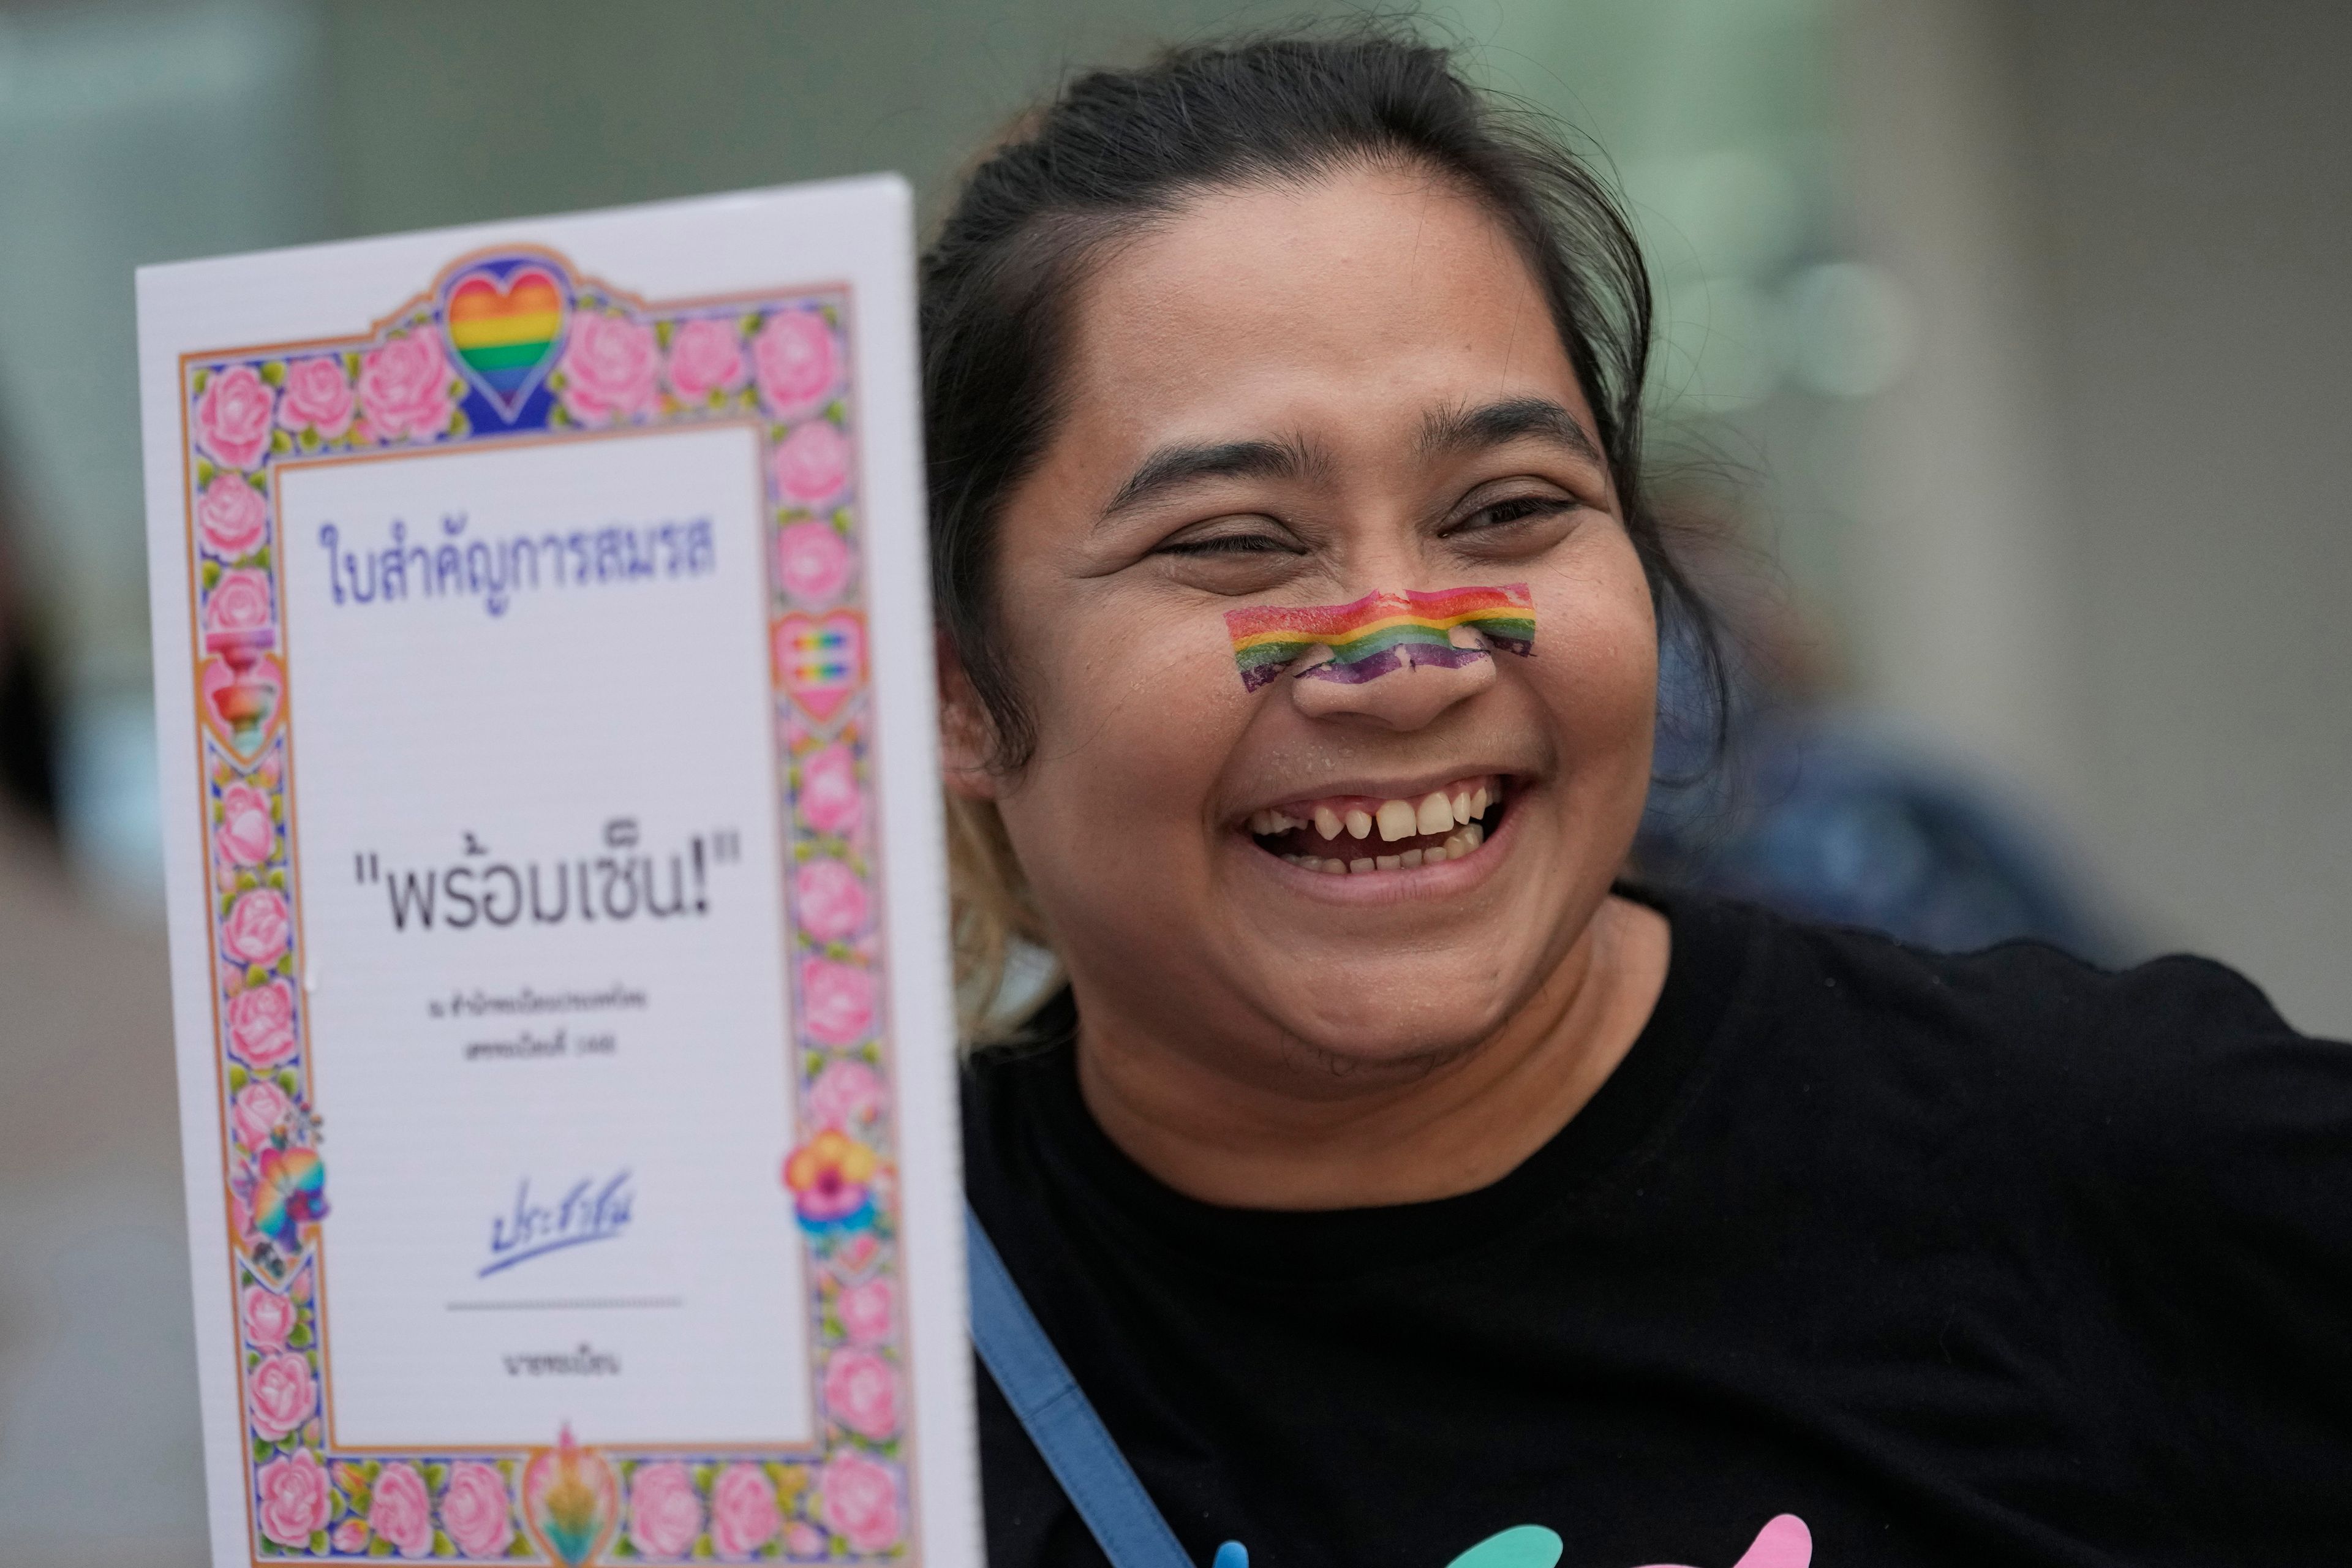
point(1383, 632)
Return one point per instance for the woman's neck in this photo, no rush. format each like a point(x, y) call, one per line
point(1443, 1129)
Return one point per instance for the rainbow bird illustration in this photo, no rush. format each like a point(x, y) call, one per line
point(570, 1500)
point(289, 1191)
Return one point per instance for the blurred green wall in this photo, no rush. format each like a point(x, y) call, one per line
point(449, 111)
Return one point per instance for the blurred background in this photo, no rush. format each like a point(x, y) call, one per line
point(2001, 396)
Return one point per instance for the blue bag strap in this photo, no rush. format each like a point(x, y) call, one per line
point(1058, 1418)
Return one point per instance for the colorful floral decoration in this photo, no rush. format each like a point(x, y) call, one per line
point(572, 1501)
point(831, 1178)
point(519, 344)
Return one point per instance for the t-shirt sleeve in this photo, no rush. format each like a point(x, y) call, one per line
point(2240, 1268)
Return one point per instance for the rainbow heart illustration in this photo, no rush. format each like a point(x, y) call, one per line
point(506, 320)
point(570, 1500)
point(820, 659)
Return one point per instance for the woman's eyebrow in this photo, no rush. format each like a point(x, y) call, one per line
point(1181, 464)
point(1459, 429)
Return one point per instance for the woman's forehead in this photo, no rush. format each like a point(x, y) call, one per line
point(1372, 298)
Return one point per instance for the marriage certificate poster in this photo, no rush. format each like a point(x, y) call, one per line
point(566, 1029)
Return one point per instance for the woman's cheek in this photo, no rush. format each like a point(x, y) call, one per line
point(1131, 736)
point(1597, 659)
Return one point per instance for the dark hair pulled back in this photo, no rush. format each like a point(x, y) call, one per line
point(1120, 150)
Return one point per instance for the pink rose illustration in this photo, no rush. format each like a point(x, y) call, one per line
point(352, 1535)
point(862, 1394)
point(268, 1318)
point(608, 368)
point(258, 927)
point(317, 397)
point(261, 1025)
point(836, 999)
point(402, 1511)
point(404, 389)
point(705, 356)
point(246, 834)
point(233, 416)
point(279, 1395)
point(804, 1539)
point(831, 899)
point(794, 357)
point(845, 1094)
point(812, 561)
point(744, 1514)
point(866, 1311)
point(239, 601)
point(829, 798)
point(295, 1498)
point(860, 1499)
point(258, 1110)
point(664, 1516)
point(812, 463)
point(474, 1511)
point(231, 516)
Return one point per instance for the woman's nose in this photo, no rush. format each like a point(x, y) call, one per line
point(1405, 698)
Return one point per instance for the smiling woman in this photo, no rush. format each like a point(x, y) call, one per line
point(1389, 1172)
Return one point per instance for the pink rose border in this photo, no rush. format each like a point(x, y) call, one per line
point(246, 412)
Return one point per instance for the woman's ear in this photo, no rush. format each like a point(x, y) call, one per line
point(966, 736)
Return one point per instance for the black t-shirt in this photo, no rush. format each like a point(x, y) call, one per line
point(1986, 1259)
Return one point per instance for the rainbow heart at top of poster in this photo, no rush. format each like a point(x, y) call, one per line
point(506, 321)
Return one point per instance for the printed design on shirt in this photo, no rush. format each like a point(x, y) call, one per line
point(1785, 1542)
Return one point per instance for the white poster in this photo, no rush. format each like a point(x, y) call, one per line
point(565, 1020)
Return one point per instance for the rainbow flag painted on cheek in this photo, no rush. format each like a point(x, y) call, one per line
point(1381, 632)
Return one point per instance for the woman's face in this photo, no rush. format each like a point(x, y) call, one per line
point(1298, 397)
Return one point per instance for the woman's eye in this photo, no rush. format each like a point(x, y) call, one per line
point(1231, 544)
point(1514, 509)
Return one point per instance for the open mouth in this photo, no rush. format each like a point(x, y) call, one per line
point(1360, 836)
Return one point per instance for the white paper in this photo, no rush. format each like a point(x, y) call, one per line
point(556, 891)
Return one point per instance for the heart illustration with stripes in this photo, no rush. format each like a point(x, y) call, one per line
point(820, 659)
point(506, 320)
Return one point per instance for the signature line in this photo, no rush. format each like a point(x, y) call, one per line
point(542, 1249)
point(585, 1304)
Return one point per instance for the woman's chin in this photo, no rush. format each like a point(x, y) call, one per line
point(1404, 1010)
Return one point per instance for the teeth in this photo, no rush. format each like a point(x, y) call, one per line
point(1436, 813)
point(1454, 813)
